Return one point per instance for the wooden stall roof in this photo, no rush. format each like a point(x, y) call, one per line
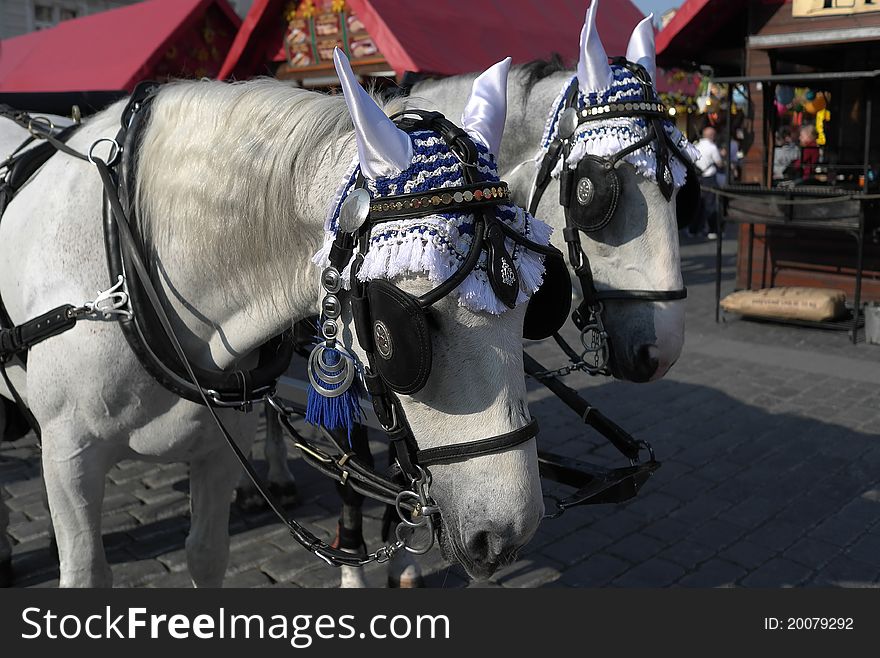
point(714, 32)
point(114, 50)
point(445, 37)
point(700, 26)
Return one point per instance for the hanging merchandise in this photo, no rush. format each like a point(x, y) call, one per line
point(815, 104)
point(784, 94)
point(822, 117)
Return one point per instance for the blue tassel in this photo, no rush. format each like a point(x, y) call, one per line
point(332, 413)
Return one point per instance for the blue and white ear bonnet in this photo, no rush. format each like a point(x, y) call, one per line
point(600, 85)
point(394, 217)
point(436, 245)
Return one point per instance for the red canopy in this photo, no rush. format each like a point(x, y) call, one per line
point(114, 50)
point(446, 37)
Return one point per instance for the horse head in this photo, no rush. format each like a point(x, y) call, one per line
point(439, 291)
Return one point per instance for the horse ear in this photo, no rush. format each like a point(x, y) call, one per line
point(641, 47)
point(383, 148)
point(486, 109)
point(593, 71)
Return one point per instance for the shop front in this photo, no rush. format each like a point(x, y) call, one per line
point(798, 105)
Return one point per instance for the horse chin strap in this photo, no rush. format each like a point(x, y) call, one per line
point(588, 315)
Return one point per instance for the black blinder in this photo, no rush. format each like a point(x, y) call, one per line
point(400, 337)
point(687, 201)
point(549, 306)
point(590, 193)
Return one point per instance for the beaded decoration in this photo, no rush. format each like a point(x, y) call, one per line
point(605, 137)
point(437, 244)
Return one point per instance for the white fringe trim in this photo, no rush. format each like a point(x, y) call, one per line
point(404, 250)
point(605, 138)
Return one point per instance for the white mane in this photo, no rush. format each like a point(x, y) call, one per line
point(253, 151)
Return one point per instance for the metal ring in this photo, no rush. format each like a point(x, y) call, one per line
point(644, 445)
point(336, 373)
point(331, 373)
point(34, 121)
point(114, 152)
point(347, 376)
point(406, 518)
point(415, 550)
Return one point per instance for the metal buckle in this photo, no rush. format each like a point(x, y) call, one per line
point(107, 304)
point(115, 152)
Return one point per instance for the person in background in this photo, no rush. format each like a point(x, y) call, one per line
point(708, 162)
point(785, 153)
point(809, 152)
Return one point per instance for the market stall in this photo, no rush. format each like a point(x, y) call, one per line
point(798, 103)
point(93, 60)
point(389, 39)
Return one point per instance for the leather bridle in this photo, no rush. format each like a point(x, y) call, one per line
point(588, 315)
point(488, 238)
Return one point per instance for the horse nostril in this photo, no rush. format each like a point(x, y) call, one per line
point(647, 361)
point(486, 547)
point(478, 546)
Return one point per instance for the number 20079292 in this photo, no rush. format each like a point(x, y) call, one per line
point(808, 623)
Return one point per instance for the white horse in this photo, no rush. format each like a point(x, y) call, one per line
point(234, 183)
point(638, 250)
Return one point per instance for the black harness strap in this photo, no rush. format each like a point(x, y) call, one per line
point(24, 336)
point(308, 540)
point(594, 484)
point(459, 452)
point(144, 334)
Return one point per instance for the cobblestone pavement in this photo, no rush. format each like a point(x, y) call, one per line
point(771, 478)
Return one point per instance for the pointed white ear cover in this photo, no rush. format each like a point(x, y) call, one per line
point(593, 70)
point(383, 149)
point(641, 46)
point(486, 109)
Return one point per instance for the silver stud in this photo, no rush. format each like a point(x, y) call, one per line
point(331, 306)
point(331, 280)
point(329, 329)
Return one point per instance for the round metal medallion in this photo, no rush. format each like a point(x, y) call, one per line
point(585, 191)
point(331, 280)
point(383, 340)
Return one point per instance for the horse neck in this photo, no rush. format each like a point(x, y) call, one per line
point(232, 216)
